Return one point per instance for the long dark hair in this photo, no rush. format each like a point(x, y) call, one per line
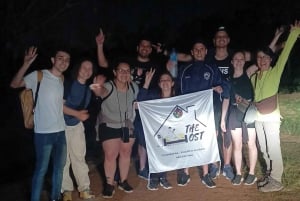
point(75, 70)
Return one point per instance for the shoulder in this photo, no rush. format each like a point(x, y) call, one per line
point(134, 87)
point(108, 85)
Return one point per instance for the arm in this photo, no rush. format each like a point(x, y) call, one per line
point(225, 105)
point(291, 40)
point(102, 61)
point(98, 86)
point(143, 93)
point(30, 56)
point(184, 57)
point(82, 115)
point(251, 70)
point(279, 31)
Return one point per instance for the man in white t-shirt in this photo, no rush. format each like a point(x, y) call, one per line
point(49, 124)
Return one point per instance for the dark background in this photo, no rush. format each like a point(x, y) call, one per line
point(75, 23)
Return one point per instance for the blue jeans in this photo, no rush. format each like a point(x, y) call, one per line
point(48, 145)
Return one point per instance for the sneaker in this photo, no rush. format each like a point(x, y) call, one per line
point(86, 194)
point(124, 186)
point(208, 182)
point(183, 179)
point(271, 186)
point(108, 191)
point(214, 171)
point(67, 196)
point(237, 180)
point(153, 184)
point(164, 183)
point(143, 174)
point(262, 181)
point(228, 172)
point(250, 179)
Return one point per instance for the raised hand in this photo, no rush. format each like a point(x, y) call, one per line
point(295, 25)
point(100, 38)
point(148, 77)
point(30, 55)
point(158, 47)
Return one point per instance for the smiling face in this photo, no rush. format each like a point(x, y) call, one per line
point(122, 72)
point(85, 71)
point(221, 39)
point(144, 49)
point(199, 51)
point(166, 82)
point(61, 61)
point(263, 61)
point(238, 61)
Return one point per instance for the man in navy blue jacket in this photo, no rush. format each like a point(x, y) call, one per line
point(198, 76)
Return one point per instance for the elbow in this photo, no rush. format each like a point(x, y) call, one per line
point(14, 85)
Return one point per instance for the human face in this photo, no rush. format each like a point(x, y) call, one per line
point(85, 71)
point(122, 73)
point(221, 39)
point(144, 49)
point(199, 52)
point(238, 61)
point(165, 82)
point(61, 61)
point(263, 61)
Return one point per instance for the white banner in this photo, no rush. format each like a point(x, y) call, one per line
point(180, 131)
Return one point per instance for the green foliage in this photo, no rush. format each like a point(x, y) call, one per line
point(290, 111)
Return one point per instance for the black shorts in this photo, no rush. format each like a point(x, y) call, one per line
point(235, 119)
point(108, 133)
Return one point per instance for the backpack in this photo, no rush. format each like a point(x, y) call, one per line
point(28, 103)
point(112, 85)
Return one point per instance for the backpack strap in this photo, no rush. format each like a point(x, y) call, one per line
point(132, 88)
point(112, 88)
point(39, 79)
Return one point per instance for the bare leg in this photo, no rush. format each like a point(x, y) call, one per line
point(237, 149)
point(142, 156)
point(124, 159)
point(111, 151)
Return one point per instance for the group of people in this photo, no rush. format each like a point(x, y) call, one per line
point(62, 105)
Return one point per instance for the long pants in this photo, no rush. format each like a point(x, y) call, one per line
point(268, 135)
point(76, 150)
point(47, 145)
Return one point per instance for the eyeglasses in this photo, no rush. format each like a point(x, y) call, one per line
point(122, 71)
point(165, 80)
point(265, 57)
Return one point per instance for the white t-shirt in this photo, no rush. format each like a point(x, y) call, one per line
point(48, 115)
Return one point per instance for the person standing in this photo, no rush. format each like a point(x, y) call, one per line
point(116, 125)
point(49, 124)
point(199, 76)
point(139, 64)
point(266, 83)
point(166, 90)
point(77, 96)
point(237, 131)
point(218, 57)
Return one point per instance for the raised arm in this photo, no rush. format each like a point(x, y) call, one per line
point(30, 56)
point(273, 45)
point(102, 61)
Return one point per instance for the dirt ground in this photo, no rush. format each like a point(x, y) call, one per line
point(195, 190)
